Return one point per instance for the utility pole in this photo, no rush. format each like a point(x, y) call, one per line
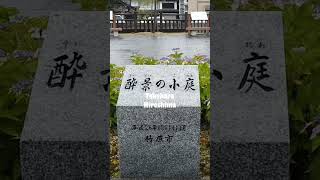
point(155, 17)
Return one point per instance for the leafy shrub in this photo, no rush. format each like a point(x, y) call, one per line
point(5, 13)
point(16, 80)
point(89, 5)
point(15, 88)
point(221, 4)
point(116, 74)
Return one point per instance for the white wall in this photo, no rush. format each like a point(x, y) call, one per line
point(198, 5)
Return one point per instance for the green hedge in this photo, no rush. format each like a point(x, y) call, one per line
point(89, 5)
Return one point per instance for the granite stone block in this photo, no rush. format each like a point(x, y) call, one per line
point(249, 160)
point(64, 160)
point(65, 134)
point(249, 124)
point(159, 142)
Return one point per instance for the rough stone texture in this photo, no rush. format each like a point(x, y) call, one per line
point(203, 178)
point(64, 160)
point(249, 160)
point(179, 158)
point(65, 135)
point(248, 130)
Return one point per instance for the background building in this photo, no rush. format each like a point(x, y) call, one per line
point(198, 5)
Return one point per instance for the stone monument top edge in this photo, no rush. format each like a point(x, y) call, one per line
point(178, 84)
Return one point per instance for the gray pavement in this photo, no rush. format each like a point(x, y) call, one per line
point(156, 45)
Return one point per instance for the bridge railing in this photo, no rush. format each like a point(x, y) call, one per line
point(144, 22)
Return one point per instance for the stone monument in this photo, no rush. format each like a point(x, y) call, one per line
point(249, 125)
point(65, 135)
point(158, 113)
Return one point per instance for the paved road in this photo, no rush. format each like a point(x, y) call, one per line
point(158, 45)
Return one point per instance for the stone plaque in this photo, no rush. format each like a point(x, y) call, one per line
point(158, 113)
point(249, 125)
point(65, 135)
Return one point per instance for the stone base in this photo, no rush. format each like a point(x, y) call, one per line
point(179, 159)
point(41, 160)
point(183, 178)
point(251, 161)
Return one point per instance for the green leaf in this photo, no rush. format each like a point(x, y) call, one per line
point(315, 166)
point(10, 126)
point(315, 144)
